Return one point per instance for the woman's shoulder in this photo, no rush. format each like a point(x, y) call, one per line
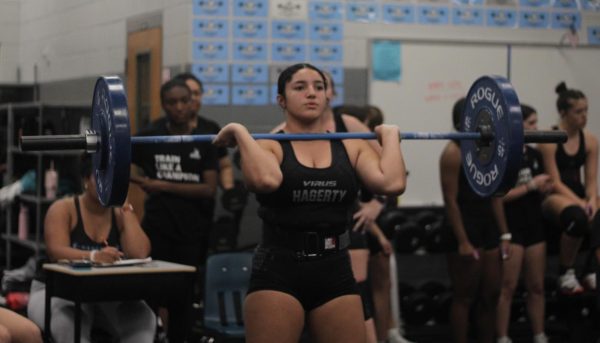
point(62, 209)
point(451, 148)
point(590, 138)
point(64, 205)
point(272, 146)
point(450, 156)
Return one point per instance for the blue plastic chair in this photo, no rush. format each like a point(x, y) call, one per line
point(227, 278)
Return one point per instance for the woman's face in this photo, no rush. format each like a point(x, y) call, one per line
point(576, 115)
point(196, 98)
point(176, 104)
point(531, 122)
point(305, 95)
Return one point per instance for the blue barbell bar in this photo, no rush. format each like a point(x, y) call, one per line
point(306, 137)
point(91, 140)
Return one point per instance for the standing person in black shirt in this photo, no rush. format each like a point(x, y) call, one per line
point(306, 190)
point(523, 209)
point(478, 229)
point(181, 181)
point(575, 202)
point(203, 125)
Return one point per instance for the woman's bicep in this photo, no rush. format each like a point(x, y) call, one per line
point(368, 167)
point(264, 174)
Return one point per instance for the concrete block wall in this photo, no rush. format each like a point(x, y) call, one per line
point(9, 40)
point(74, 39)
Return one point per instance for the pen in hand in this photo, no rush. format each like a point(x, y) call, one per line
point(106, 245)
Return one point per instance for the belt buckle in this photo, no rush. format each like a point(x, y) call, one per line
point(311, 246)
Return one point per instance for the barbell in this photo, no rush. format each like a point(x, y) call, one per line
point(491, 137)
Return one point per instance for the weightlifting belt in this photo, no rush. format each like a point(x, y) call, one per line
point(306, 243)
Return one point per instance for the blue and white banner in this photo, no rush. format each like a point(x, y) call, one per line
point(211, 73)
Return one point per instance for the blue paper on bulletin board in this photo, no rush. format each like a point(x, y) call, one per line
point(387, 64)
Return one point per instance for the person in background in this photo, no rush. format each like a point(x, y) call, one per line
point(381, 251)
point(203, 125)
point(181, 181)
point(80, 228)
point(574, 204)
point(523, 209)
point(301, 270)
point(474, 258)
point(15, 328)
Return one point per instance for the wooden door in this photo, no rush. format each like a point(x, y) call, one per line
point(144, 65)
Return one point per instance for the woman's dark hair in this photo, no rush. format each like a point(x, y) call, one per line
point(329, 81)
point(86, 167)
point(457, 111)
point(564, 95)
point(189, 76)
point(527, 111)
point(289, 72)
point(374, 116)
point(167, 86)
point(357, 112)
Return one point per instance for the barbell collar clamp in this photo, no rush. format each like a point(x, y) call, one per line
point(88, 142)
point(555, 136)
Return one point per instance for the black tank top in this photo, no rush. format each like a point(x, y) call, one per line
point(519, 210)
point(340, 126)
point(569, 166)
point(312, 199)
point(80, 240)
point(365, 194)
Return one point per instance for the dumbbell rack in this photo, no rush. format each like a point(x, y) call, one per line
point(568, 319)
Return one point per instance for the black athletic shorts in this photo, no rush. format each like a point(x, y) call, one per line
point(528, 232)
point(358, 240)
point(374, 245)
point(314, 281)
point(481, 231)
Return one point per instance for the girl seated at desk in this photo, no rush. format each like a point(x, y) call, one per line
point(80, 228)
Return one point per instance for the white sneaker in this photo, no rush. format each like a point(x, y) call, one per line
point(504, 339)
point(589, 281)
point(540, 338)
point(394, 336)
point(568, 283)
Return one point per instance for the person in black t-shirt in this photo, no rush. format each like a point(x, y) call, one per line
point(204, 126)
point(207, 126)
point(575, 203)
point(301, 271)
point(523, 209)
point(181, 180)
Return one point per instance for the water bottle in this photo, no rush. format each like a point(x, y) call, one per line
point(51, 182)
point(23, 229)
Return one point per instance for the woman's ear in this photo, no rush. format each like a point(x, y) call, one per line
point(281, 101)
